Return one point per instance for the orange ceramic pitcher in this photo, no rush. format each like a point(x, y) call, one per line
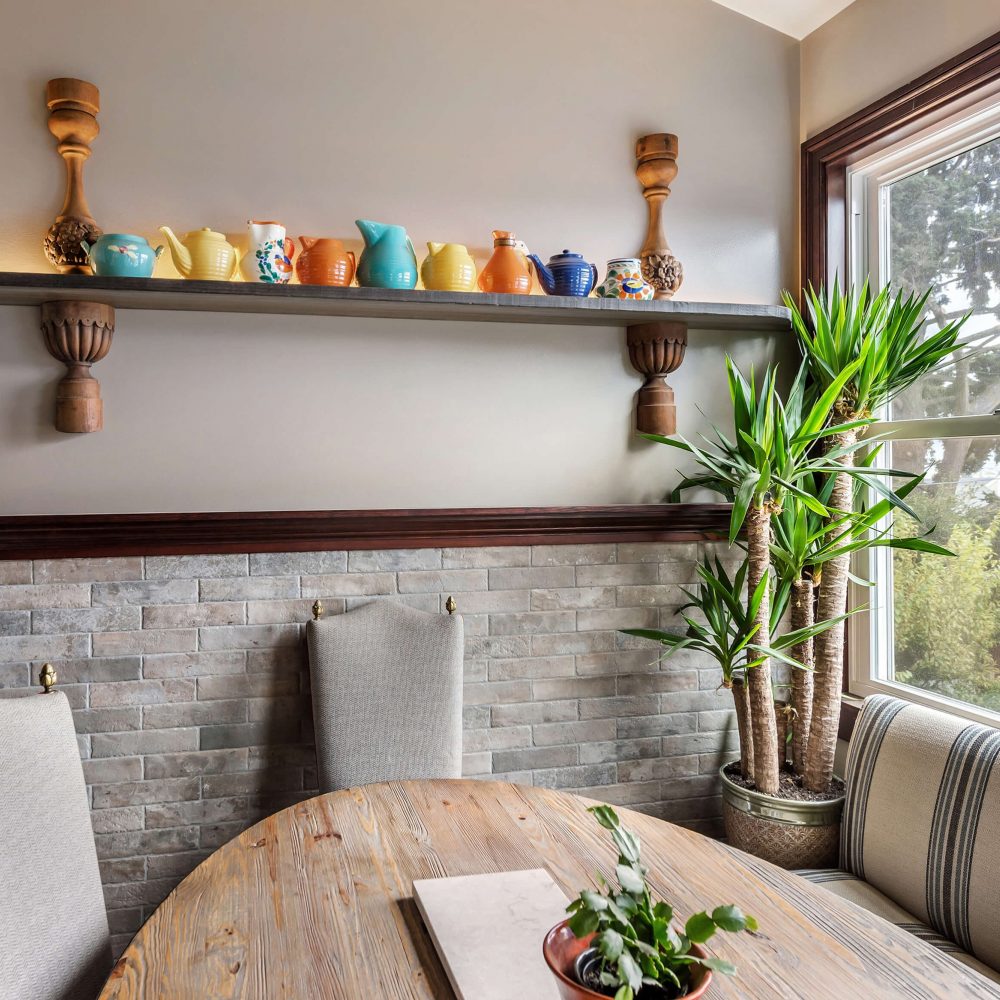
point(507, 270)
point(324, 262)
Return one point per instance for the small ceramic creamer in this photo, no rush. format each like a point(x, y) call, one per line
point(203, 255)
point(448, 267)
point(122, 255)
point(324, 262)
point(269, 257)
point(624, 281)
point(388, 260)
point(507, 271)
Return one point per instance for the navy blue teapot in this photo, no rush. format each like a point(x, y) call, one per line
point(567, 274)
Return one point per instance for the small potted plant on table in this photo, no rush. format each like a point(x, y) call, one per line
point(621, 944)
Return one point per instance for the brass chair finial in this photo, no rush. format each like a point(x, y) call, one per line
point(450, 606)
point(47, 677)
point(317, 610)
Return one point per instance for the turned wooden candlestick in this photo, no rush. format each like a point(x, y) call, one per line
point(655, 350)
point(73, 106)
point(656, 167)
point(78, 334)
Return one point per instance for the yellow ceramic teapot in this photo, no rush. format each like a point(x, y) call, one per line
point(203, 255)
point(448, 267)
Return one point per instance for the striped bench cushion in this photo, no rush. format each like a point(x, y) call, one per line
point(854, 890)
point(922, 819)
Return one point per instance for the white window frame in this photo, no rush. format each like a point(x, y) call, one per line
point(870, 632)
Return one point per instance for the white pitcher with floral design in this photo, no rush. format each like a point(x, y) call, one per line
point(269, 257)
point(624, 281)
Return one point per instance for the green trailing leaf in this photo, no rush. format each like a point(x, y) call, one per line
point(594, 900)
point(605, 815)
point(718, 965)
point(627, 844)
point(630, 880)
point(699, 928)
point(610, 944)
point(584, 922)
point(617, 912)
point(732, 918)
point(629, 971)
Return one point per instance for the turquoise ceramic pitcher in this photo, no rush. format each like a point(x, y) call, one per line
point(388, 260)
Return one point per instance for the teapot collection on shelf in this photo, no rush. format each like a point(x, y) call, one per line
point(388, 260)
point(75, 244)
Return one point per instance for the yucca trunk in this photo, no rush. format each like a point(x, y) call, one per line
point(802, 680)
point(781, 724)
point(762, 724)
point(741, 699)
point(828, 676)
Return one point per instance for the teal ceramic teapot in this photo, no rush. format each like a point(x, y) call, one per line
point(388, 260)
point(121, 255)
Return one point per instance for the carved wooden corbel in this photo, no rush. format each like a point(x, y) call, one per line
point(656, 350)
point(79, 335)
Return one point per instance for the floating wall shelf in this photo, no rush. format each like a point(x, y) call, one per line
point(656, 330)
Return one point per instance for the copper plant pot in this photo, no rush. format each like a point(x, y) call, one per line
point(562, 947)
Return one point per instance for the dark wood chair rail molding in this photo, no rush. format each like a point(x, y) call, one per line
point(83, 535)
point(827, 156)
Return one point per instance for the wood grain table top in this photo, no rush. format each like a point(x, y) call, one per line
point(315, 902)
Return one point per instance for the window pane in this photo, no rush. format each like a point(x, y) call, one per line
point(944, 233)
point(945, 612)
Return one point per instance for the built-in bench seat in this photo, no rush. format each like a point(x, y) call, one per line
point(920, 842)
point(859, 892)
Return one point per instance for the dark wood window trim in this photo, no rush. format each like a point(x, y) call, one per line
point(849, 712)
point(84, 535)
point(826, 157)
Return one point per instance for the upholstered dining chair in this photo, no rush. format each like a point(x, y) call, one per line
point(387, 694)
point(54, 939)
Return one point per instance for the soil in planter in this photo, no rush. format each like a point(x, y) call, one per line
point(789, 785)
point(588, 967)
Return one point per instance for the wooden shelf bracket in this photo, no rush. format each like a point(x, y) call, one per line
point(78, 334)
point(656, 350)
point(78, 330)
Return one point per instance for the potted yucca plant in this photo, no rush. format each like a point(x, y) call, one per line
point(880, 341)
point(792, 471)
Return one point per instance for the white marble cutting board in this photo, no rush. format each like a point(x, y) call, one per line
point(488, 930)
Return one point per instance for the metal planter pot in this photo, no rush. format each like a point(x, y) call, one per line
point(789, 833)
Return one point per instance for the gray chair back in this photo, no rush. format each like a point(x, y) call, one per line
point(54, 941)
point(387, 695)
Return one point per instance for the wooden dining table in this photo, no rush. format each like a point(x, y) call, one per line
point(316, 902)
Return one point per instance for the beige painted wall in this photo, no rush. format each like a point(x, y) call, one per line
point(875, 46)
point(449, 117)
